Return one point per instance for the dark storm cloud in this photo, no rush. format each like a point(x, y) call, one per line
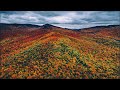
point(60, 17)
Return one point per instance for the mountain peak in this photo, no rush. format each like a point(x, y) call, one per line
point(46, 26)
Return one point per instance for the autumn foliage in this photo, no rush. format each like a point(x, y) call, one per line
point(59, 53)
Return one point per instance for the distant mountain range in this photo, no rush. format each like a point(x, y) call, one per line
point(18, 25)
point(13, 29)
point(46, 26)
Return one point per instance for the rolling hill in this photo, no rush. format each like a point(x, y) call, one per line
point(51, 52)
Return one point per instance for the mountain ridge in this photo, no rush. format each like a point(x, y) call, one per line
point(49, 52)
point(50, 26)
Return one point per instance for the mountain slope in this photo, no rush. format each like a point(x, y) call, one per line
point(104, 31)
point(49, 52)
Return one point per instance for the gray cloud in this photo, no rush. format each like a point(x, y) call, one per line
point(60, 17)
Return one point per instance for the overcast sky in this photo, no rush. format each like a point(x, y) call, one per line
point(62, 18)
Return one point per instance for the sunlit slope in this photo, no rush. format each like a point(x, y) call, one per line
point(59, 53)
